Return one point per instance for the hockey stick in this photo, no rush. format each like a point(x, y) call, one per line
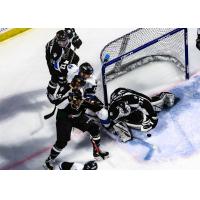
point(50, 114)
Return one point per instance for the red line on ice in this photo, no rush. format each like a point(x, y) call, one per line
point(20, 162)
point(30, 157)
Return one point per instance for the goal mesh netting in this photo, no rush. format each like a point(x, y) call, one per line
point(140, 47)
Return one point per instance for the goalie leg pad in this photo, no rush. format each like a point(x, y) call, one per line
point(123, 131)
point(164, 99)
point(169, 99)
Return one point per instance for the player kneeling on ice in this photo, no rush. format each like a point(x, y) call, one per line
point(137, 110)
point(71, 113)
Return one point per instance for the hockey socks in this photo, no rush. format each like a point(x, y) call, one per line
point(97, 152)
point(49, 163)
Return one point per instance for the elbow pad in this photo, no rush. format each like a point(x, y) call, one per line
point(103, 116)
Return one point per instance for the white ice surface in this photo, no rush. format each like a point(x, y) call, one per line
point(25, 138)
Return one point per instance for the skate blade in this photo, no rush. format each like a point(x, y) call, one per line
point(45, 167)
point(99, 158)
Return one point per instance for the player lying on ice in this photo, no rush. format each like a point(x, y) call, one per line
point(136, 110)
point(71, 113)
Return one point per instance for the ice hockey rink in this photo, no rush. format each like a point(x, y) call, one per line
point(26, 138)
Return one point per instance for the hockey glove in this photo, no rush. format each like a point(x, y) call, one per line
point(76, 41)
point(70, 32)
point(146, 126)
point(51, 98)
point(50, 91)
point(154, 121)
point(59, 100)
point(91, 165)
point(56, 100)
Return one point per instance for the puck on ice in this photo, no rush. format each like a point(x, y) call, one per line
point(148, 135)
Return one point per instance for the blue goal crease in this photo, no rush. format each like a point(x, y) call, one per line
point(176, 134)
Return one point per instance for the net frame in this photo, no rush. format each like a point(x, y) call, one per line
point(118, 60)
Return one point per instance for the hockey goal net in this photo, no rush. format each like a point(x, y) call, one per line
point(142, 46)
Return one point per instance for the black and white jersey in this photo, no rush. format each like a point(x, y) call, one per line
point(56, 55)
point(89, 89)
point(70, 112)
point(130, 106)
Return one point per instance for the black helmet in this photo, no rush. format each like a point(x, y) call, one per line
point(86, 68)
point(75, 95)
point(62, 38)
point(61, 35)
point(75, 99)
point(77, 81)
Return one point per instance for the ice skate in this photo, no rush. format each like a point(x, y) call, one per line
point(100, 155)
point(49, 164)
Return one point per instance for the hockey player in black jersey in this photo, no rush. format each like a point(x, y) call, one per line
point(137, 110)
point(58, 51)
point(85, 71)
point(73, 115)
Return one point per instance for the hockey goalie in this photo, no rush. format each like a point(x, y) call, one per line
point(132, 110)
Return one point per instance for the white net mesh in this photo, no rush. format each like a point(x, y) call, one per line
point(167, 48)
point(172, 46)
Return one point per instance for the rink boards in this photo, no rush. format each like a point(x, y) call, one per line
point(6, 33)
